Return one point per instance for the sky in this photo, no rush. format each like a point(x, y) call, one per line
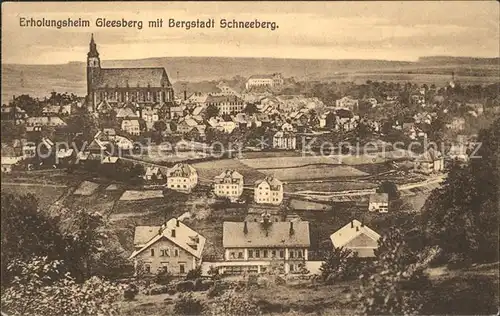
point(390, 30)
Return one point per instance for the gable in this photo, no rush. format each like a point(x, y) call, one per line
point(362, 240)
point(162, 243)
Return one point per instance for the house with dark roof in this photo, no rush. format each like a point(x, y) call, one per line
point(173, 246)
point(145, 86)
point(357, 237)
point(258, 247)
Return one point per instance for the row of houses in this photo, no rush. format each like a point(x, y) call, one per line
point(249, 247)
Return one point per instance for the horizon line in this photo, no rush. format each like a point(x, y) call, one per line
point(243, 57)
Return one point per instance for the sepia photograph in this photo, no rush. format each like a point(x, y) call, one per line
point(250, 158)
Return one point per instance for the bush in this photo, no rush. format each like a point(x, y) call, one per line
point(185, 286)
point(213, 272)
point(163, 277)
point(216, 289)
point(187, 305)
point(194, 274)
point(130, 292)
point(158, 289)
point(340, 265)
point(233, 304)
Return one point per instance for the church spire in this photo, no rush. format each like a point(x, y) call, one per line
point(92, 47)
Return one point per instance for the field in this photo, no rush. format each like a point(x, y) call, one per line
point(86, 188)
point(287, 162)
point(209, 169)
point(46, 195)
point(329, 186)
point(131, 195)
point(314, 172)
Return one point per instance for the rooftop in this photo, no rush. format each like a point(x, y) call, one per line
point(272, 235)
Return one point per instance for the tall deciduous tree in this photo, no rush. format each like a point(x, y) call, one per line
point(462, 216)
point(27, 232)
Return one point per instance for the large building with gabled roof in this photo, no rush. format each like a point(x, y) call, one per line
point(118, 86)
point(172, 246)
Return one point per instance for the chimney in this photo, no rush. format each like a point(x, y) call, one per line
point(292, 231)
point(162, 228)
point(352, 224)
point(173, 233)
point(177, 222)
point(185, 95)
point(245, 227)
point(357, 228)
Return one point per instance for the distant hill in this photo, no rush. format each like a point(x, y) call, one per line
point(39, 80)
point(458, 60)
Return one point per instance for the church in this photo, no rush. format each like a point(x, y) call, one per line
point(138, 88)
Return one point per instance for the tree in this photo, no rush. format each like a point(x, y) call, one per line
point(251, 109)
point(86, 242)
point(399, 285)
point(211, 111)
point(160, 126)
point(194, 274)
point(11, 131)
point(234, 304)
point(82, 123)
point(27, 233)
point(28, 104)
point(163, 276)
point(390, 188)
point(462, 216)
point(340, 264)
point(188, 305)
point(42, 289)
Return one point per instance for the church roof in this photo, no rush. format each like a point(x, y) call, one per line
point(130, 77)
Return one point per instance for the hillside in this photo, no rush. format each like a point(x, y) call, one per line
point(39, 80)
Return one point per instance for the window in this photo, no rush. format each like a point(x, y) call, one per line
point(291, 254)
point(182, 268)
point(257, 253)
point(250, 253)
point(282, 253)
point(299, 253)
point(147, 267)
point(232, 255)
point(273, 254)
point(152, 252)
point(265, 254)
point(240, 255)
point(176, 252)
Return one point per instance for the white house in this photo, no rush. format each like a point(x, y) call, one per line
point(182, 177)
point(268, 191)
point(131, 126)
point(357, 237)
point(172, 246)
point(273, 80)
point(229, 184)
point(378, 202)
point(284, 140)
point(222, 125)
point(430, 161)
point(347, 103)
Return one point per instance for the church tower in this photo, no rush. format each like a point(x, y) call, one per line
point(93, 70)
